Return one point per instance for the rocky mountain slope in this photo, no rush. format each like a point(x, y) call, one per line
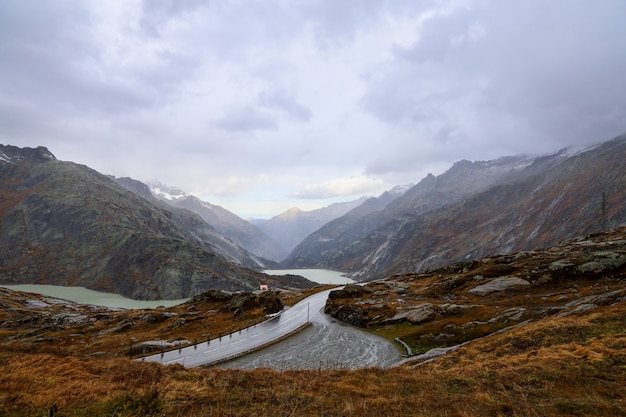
point(341, 231)
point(290, 227)
point(240, 231)
point(336, 243)
point(471, 299)
point(476, 209)
point(65, 224)
point(218, 243)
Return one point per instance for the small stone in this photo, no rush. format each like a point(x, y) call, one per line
point(544, 279)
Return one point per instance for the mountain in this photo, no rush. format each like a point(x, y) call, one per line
point(292, 226)
point(191, 220)
point(481, 208)
point(341, 231)
point(336, 245)
point(257, 222)
point(240, 231)
point(65, 224)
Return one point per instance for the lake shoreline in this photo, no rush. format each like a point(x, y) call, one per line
point(318, 275)
point(81, 295)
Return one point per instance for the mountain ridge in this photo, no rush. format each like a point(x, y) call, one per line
point(436, 221)
point(293, 225)
point(66, 224)
point(242, 232)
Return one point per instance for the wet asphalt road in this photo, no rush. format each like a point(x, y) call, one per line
point(325, 344)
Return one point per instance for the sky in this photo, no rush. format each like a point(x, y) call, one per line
point(263, 105)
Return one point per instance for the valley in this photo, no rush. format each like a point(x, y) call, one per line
point(499, 285)
point(313, 208)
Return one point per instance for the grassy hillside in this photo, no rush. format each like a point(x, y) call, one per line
point(570, 360)
point(558, 367)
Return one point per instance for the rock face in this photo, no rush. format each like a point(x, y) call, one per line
point(240, 231)
point(368, 233)
point(500, 285)
point(64, 224)
point(341, 231)
point(478, 209)
point(191, 221)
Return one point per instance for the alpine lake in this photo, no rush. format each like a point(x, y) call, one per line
point(82, 295)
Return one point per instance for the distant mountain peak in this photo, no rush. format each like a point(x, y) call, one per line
point(400, 189)
point(291, 211)
point(166, 192)
point(292, 226)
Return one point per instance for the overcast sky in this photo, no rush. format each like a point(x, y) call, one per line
point(262, 105)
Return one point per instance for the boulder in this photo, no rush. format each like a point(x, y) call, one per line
point(592, 267)
point(514, 314)
point(561, 265)
point(349, 291)
point(351, 314)
point(454, 308)
point(423, 313)
point(499, 285)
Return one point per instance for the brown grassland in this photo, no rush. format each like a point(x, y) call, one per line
point(569, 366)
point(71, 360)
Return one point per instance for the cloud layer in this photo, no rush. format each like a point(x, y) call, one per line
point(307, 99)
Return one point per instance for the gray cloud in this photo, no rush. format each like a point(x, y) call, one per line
point(158, 13)
point(246, 119)
point(530, 75)
point(286, 103)
point(311, 98)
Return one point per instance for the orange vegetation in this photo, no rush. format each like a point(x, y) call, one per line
point(569, 366)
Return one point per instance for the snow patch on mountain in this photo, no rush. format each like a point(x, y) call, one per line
point(400, 189)
point(5, 158)
point(166, 192)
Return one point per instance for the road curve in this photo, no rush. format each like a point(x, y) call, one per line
point(247, 340)
point(326, 344)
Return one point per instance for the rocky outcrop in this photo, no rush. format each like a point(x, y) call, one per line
point(351, 314)
point(500, 285)
point(349, 291)
point(457, 303)
point(267, 300)
point(425, 312)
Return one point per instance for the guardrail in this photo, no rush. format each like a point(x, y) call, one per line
point(257, 348)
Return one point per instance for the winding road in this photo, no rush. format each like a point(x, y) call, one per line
point(247, 340)
point(317, 341)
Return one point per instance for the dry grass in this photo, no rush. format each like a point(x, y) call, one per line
point(571, 366)
point(188, 322)
point(553, 366)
